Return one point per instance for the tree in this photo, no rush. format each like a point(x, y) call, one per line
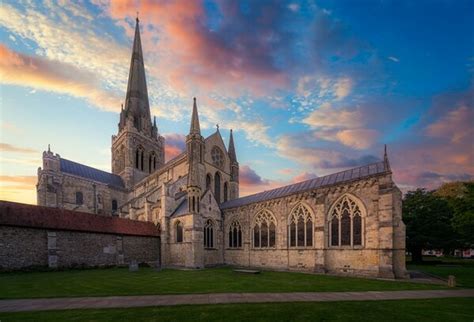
point(460, 197)
point(428, 221)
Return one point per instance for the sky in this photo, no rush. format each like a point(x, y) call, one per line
point(309, 88)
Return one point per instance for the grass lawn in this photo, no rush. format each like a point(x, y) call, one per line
point(462, 269)
point(459, 309)
point(119, 281)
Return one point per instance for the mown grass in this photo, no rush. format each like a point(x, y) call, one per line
point(119, 281)
point(462, 269)
point(453, 309)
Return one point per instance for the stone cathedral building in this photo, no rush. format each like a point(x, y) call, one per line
point(345, 223)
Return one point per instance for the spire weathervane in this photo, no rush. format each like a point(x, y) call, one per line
point(138, 20)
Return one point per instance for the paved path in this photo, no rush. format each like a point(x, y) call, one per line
point(218, 298)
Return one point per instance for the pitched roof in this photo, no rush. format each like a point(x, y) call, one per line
point(87, 172)
point(21, 215)
point(320, 182)
point(182, 208)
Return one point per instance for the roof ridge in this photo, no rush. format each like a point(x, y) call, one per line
point(88, 166)
point(305, 184)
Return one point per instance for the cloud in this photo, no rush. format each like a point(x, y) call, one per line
point(44, 74)
point(174, 145)
point(343, 87)
point(394, 59)
point(303, 149)
point(248, 176)
point(358, 139)
point(25, 182)
point(304, 176)
point(5, 147)
point(344, 125)
point(457, 126)
point(18, 188)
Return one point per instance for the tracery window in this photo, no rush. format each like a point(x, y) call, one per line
point(209, 234)
point(345, 223)
point(235, 235)
point(264, 230)
point(300, 227)
point(217, 187)
point(217, 157)
point(226, 192)
point(79, 198)
point(179, 232)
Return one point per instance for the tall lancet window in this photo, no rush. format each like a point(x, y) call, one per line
point(346, 222)
point(217, 187)
point(264, 230)
point(235, 235)
point(209, 234)
point(300, 227)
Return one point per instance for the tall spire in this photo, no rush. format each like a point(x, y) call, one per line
point(136, 101)
point(232, 155)
point(195, 128)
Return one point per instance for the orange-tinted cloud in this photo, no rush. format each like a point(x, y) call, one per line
point(5, 147)
point(44, 74)
point(193, 54)
point(174, 145)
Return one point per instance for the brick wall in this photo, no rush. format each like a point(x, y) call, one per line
point(33, 236)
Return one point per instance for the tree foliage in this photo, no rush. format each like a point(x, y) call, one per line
point(428, 220)
point(460, 197)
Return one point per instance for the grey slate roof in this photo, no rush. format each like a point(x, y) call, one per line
point(335, 178)
point(182, 208)
point(87, 172)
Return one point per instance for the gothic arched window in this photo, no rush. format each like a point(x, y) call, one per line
point(226, 188)
point(79, 198)
point(217, 157)
point(208, 181)
point(114, 206)
point(152, 162)
point(139, 155)
point(345, 223)
point(264, 230)
point(217, 187)
point(209, 234)
point(179, 232)
point(235, 235)
point(300, 227)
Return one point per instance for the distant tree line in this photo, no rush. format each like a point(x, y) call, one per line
point(439, 219)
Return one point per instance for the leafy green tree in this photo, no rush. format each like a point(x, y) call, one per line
point(460, 197)
point(428, 221)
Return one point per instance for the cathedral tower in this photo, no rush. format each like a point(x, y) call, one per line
point(195, 151)
point(234, 169)
point(137, 149)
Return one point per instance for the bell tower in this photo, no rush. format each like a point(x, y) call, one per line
point(137, 149)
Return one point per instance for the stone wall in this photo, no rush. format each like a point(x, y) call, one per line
point(383, 232)
point(32, 236)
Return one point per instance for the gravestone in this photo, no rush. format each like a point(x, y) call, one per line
point(133, 266)
point(451, 281)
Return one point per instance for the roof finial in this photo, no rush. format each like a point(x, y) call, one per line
point(49, 148)
point(138, 20)
point(385, 158)
point(154, 120)
point(217, 126)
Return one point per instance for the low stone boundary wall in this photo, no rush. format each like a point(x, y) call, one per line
point(34, 236)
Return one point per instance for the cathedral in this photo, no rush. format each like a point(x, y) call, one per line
point(346, 223)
